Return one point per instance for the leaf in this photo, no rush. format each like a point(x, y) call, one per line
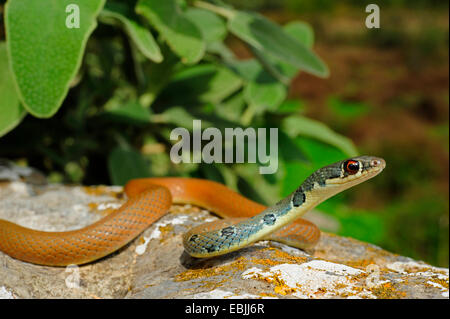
point(265, 92)
point(301, 31)
point(212, 27)
point(131, 113)
point(281, 70)
point(178, 116)
point(203, 83)
point(262, 89)
point(298, 125)
point(126, 164)
point(141, 36)
point(11, 111)
point(270, 39)
point(44, 54)
point(182, 35)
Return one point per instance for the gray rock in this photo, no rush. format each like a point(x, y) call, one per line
point(154, 265)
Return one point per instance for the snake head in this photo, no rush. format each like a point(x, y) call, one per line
point(334, 178)
point(353, 171)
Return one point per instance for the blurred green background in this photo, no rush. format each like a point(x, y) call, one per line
point(387, 92)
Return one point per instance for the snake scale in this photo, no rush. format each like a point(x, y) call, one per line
point(150, 198)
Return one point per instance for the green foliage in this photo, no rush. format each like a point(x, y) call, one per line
point(10, 108)
point(45, 55)
point(112, 91)
point(148, 67)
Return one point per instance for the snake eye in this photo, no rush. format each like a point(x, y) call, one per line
point(351, 167)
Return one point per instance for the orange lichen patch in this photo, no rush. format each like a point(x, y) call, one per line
point(280, 288)
point(265, 261)
point(94, 208)
point(164, 231)
point(387, 291)
point(284, 290)
point(211, 284)
point(280, 285)
point(442, 282)
point(102, 190)
point(238, 265)
point(360, 263)
point(289, 258)
point(267, 294)
point(416, 269)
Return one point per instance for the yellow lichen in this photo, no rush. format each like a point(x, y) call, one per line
point(238, 265)
point(102, 190)
point(387, 291)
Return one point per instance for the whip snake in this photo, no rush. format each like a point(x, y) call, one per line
point(150, 198)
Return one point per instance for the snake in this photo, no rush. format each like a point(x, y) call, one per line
point(148, 199)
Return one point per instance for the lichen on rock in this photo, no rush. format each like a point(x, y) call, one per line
point(154, 265)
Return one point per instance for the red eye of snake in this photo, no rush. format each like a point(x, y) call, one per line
point(351, 167)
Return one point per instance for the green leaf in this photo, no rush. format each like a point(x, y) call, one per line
point(132, 113)
point(11, 112)
point(126, 164)
point(265, 92)
point(281, 70)
point(204, 83)
point(178, 116)
point(211, 26)
point(272, 40)
point(262, 89)
point(302, 31)
point(231, 109)
point(298, 125)
point(182, 35)
point(45, 55)
point(141, 36)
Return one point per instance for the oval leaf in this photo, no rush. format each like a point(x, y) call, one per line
point(272, 40)
point(212, 26)
point(46, 54)
point(141, 36)
point(11, 111)
point(183, 36)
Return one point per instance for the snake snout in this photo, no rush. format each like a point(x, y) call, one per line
point(378, 162)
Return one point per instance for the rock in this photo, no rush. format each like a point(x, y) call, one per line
point(155, 266)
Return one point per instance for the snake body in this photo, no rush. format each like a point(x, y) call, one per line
point(149, 199)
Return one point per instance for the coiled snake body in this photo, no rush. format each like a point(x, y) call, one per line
point(246, 221)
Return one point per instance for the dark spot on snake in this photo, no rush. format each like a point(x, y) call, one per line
point(211, 248)
point(269, 219)
point(193, 238)
point(298, 198)
point(227, 231)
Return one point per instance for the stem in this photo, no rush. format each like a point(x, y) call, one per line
point(216, 9)
point(248, 115)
